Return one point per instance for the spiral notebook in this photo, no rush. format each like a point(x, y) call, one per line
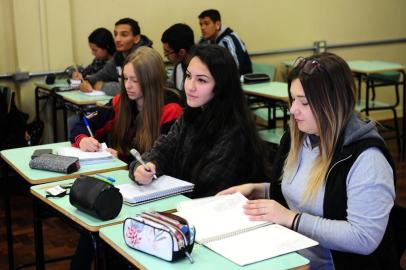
point(222, 226)
point(164, 186)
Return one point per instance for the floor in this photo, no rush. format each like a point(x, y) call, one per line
point(60, 239)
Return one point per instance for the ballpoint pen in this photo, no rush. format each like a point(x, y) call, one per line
point(87, 126)
point(137, 156)
point(109, 178)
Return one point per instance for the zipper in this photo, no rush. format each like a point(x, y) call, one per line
point(331, 168)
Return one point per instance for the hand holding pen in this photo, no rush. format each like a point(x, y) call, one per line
point(144, 173)
point(89, 144)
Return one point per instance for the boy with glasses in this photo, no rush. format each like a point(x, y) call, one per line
point(177, 42)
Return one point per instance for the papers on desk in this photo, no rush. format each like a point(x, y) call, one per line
point(75, 83)
point(94, 93)
point(87, 158)
point(222, 226)
point(164, 186)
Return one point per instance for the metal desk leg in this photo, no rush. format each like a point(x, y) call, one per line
point(39, 243)
point(54, 117)
point(99, 258)
point(9, 225)
point(404, 117)
point(65, 123)
point(37, 116)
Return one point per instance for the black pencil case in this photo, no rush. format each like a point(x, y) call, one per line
point(55, 163)
point(95, 197)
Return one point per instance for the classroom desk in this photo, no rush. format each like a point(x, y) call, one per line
point(273, 93)
point(46, 92)
point(78, 98)
point(73, 100)
point(362, 69)
point(203, 257)
point(18, 160)
point(85, 221)
point(270, 90)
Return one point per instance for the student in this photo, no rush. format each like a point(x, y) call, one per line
point(177, 41)
point(127, 37)
point(214, 144)
point(102, 46)
point(138, 115)
point(333, 178)
point(215, 33)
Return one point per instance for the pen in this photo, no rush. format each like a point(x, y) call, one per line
point(137, 156)
point(87, 126)
point(111, 179)
point(104, 179)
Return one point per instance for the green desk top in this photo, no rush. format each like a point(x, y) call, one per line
point(93, 224)
point(203, 257)
point(18, 159)
point(57, 83)
point(368, 67)
point(271, 90)
point(79, 98)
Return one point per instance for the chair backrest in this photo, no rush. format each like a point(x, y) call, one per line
point(389, 77)
point(264, 68)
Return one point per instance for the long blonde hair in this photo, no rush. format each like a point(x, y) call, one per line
point(329, 89)
point(141, 129)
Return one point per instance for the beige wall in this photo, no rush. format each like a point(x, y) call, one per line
point(41, 35)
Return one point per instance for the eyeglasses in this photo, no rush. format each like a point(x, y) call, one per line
point(308, 66)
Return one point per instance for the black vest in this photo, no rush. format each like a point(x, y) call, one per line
point(335, 202)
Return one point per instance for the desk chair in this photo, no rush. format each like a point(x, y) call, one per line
point(378, 80)
point(263, 109)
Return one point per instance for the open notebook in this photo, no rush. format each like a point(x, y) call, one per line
point(164, 186)
point(87, 158)
point(222, 226)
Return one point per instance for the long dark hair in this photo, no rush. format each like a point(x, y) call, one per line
point(227, 110)
point(103, 39)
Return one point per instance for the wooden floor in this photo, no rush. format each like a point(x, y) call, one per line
point(60, 239)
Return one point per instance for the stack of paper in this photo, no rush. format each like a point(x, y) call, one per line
point(87, 158)
point(94, 93)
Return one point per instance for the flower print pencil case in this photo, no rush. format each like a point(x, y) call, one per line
point(160, 234)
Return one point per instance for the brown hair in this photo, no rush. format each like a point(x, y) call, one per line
point(330, 93)
point(140, 129)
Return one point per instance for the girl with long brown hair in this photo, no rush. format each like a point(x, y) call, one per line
point(138, 115)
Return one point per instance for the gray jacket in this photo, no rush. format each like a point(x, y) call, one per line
point(111, 72)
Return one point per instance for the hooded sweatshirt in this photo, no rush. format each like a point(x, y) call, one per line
point(111, 72)
point(370, 197)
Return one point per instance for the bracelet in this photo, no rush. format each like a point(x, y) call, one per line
point(293, 222)
point(297, 223)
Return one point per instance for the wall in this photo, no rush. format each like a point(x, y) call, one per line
point(42, 35)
